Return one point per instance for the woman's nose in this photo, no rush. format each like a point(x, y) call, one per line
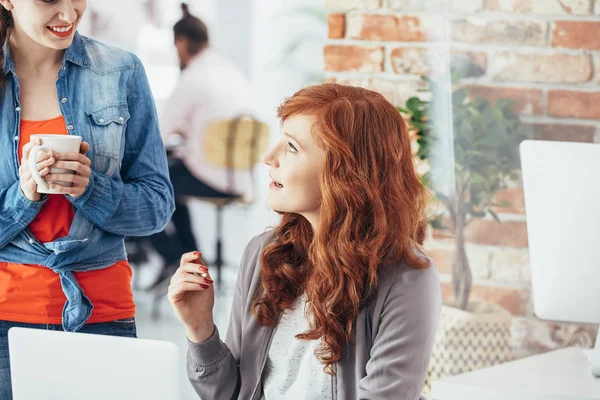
point(67, 12)
point(269, 159)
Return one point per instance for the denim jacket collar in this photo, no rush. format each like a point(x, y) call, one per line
point(76, 53)
point(9, 65)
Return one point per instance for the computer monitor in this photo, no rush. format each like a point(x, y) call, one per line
point(75, 366)
point(561, 182)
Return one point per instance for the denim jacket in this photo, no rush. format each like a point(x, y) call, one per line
point(104, 97)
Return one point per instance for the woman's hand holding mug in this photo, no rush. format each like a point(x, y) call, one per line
point(70, 171)
point(44, 160)
point(192, 296)
point(71, 161)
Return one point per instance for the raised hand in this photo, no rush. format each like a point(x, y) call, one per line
point(192, 296)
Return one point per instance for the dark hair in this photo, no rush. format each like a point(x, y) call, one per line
point(6, 23)
point(193, 29)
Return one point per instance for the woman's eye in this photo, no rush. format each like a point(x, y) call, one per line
point(292, 148)
point(49, 1)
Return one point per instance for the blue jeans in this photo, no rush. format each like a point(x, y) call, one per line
point(122, 327)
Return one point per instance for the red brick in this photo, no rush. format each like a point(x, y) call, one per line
point(533, 336)
point(527, 101)
point(564, 132)
point(583, 35)
point(353, 58)
point(463, 6)
point(541, 67)
point(347, 5)
point(395, 92)
point(443, 234)
point(470, 63)
point(572, 104)
point(514, 300)
point(402, 28)
point(336, 26)
point(498, 264)
point(490, 232)
point(514, 196)
point(556, 7)
point(442, 259)
point(410, 61)
point(504, 32)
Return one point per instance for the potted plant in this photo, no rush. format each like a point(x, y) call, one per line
point(484, 141)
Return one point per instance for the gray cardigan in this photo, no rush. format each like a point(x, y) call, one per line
point(386, 359)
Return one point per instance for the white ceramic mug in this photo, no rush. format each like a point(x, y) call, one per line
point(58, 144)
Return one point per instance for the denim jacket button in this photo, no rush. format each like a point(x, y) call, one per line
point(16, 138)
point(101, 120)
point(64, 100)
point(31, 241)
point(121, 119)
point(18, 109)
point(70, 127)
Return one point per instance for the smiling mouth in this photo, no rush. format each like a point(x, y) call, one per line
point(61, 30)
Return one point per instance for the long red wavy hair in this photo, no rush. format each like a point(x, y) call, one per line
point(371, 213)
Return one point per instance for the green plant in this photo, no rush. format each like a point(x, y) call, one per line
point(485, 142)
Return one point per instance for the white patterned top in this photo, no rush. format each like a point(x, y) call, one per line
point(292, 370)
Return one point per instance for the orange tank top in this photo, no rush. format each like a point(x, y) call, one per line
point(32, 293)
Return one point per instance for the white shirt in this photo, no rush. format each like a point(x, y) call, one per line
point(292, 370)
point(210, 89)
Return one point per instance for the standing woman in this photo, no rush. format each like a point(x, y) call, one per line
point(63, 264)
point(339, 301)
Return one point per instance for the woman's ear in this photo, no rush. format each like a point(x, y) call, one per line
point(7, 4)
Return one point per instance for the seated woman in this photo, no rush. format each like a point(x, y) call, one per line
point(339, 301)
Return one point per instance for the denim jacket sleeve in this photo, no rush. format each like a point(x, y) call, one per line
point(16, 212)
point(142, 203)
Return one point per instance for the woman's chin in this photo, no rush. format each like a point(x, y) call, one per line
point(275, 205)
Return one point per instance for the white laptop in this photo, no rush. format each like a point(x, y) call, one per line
point(52, 365)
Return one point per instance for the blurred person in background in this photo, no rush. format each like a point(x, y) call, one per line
point(63, 264)
point(210, 89)
point(339, 300)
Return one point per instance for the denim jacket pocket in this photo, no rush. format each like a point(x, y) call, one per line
point(108, 126)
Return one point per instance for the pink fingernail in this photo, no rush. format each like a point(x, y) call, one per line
point(203, 286)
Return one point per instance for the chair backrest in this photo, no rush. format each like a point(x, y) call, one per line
point(235, 144)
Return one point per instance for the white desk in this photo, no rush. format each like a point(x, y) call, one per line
point(558, 375)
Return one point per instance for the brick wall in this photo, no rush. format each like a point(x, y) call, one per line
point(545, 54)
